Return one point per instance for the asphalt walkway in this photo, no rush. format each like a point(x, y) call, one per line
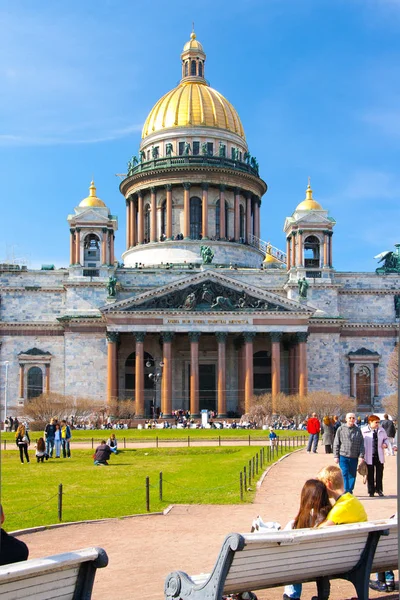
point(142, 550)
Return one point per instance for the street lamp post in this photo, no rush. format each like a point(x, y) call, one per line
point(155, 377)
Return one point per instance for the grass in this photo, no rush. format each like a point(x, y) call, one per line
point(190, 476)
point(138, 435)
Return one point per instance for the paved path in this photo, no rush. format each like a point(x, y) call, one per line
point(144, 549)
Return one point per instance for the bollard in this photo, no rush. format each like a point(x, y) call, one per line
point(219, 440)
point(253, 467)
point(245, 478)
point(156, 441)
point(124, 442)
point(5, 447)
point(160, 484)
point(188, 441)
point(249, 473)
point(148, 494)
point(249, 440)
point(241, 485)
point(60, 493)
point(92, 443)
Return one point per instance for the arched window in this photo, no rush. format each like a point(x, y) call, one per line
point(130, 370)
point(218, 219)
point(311, 251)
point(91, 250)
point(241, 222)
point(195, 218)
point(147, 223)
point(163, 217)
point(35, 382)
point(193, 67)
point(262, 372)
point(186, 68)
point(200, 69)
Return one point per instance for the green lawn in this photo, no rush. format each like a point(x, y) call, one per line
point(190, 475)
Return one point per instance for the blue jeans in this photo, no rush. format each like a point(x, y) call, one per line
point(293, 591)
point(348, 467)
point(49, 446)
point(314, 437)
point(66, 448)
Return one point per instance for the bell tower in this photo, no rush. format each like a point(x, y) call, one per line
point(309, 234)
point(92, 230)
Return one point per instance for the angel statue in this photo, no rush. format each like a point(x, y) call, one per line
point(391, 261)
point(111, 286)
point(207, 254)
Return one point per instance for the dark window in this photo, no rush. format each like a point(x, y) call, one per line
point(196, 147)
point(218, 221)
point(35, 382)
point(200, 69)
point(181, 148)
point(91, 249)
point(163, 217)
point(210, 148)
point(262, 372)
point(193, 67)
point(241, 222)
point(130, 369)
point(311, 252)
point(186, 69)
point(147, 223)
point(233, 153)
point(195, 218)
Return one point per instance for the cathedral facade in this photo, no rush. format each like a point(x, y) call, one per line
point(200, 313)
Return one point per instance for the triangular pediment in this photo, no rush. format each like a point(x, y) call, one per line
point(312, 217)
point(208, 291)
point(90, 216)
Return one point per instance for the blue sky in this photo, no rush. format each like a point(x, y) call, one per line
point(315, 82)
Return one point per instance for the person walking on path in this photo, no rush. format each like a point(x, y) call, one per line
point(348, 447)
point(328, 434)
point(390, 429)
point(313, 428)
point(375, 442)
point(49, 433)
point(65, 439)
point(22, 440)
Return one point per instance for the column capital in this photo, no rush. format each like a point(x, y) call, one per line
point(249, 336)
point(257, 200)
point(275, 336)
point(302, 336)
point(112, 337)
point(221, 336)
point(329, 233)
point(237, 191)
point(153, 189)
point(139, 336)
point(194, 336)
point(78, 229)
point(205, 185)
point(248, 195)
point(140, 193)
point(186, 185)
point(104, 230)
point(294, 233)
point(376, 365)
point(168, 187)
point(72, 231)
point(288, 239)
point(167, 336)
point(222, 187)
point(301, 231)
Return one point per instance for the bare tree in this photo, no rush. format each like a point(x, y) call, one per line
point(326, 403)
point(390, 404)
point(393, 367)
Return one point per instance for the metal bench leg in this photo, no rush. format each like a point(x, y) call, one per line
point(359, 576)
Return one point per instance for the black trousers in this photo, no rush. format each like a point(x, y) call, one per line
point(23, 448)
point(375, 476)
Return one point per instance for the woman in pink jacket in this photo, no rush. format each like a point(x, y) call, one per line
point(375, 442)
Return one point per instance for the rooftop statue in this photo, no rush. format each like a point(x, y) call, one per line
point(168, 149)
point(204, 149)
point(207, 254)
point(111, 286)
point(303, 287)
point(391, 261)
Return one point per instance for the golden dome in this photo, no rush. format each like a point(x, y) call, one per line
point(92, 199)
point(270, 259)
point(193, 104)
point(309, 203)
point(193, 44)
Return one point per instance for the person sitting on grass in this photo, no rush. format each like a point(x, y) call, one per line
point(41, 450)
point(102, 454)
point(112, 442)
point(12, 550)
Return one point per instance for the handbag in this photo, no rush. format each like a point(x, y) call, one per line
point(362, 470)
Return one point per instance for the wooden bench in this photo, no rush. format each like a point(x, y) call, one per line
point(254, 561)
point(68, 576)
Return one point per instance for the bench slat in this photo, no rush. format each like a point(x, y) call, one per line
point(51, 581)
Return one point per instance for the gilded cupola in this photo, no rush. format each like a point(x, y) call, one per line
point(92, 200)
point(193, 103)
point(309, 203)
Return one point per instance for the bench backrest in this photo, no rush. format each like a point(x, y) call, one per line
point(67, 576)
point(284, 557)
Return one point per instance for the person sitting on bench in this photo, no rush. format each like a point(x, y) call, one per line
point(11, 549)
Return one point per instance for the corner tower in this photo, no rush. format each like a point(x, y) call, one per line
point(194, 179)
point(309, 234)
point(92, 230)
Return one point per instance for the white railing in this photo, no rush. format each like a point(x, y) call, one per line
point(263, 246)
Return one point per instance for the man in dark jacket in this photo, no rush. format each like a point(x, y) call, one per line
point(102, 454)
point(390, 429)
point(11, 549)
point(313, 428)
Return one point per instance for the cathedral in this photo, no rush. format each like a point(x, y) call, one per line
point(199, 312)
